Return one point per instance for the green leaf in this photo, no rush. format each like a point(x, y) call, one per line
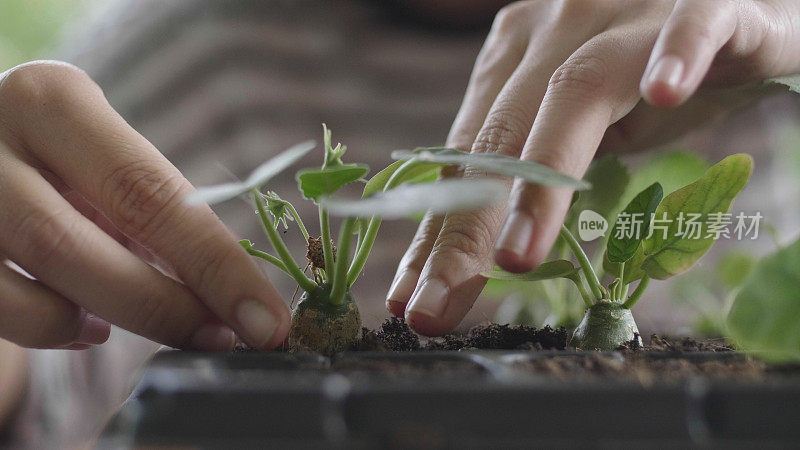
point(256, 179)
point(316, 183)
point(734, 266)
point(626, 235)
point(712, 193)
point(497, 164)
point(440, 197)
point(633, 267)
point(764, 315)
point(419, 174)
point(609, 178)
point(673, 170)
point(791, 81)
point(546, 271)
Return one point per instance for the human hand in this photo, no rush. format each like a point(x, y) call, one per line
point(87, 203)
point(555, 81)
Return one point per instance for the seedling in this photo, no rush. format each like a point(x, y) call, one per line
point(763, 318)
point(326, 319)
point(613, 186)
point(660, 248)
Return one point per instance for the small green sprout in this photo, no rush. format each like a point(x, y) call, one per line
point(652, 252)
point(326, 319)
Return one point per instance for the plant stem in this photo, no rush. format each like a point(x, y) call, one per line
point(327, 248)
point(291, 266)
point(618, 293)
point(637, 293)
point(298, 220)
point(587, 299)
point(360, 259)
point(368, 239)
point(340, 285)
point(583, 260)
point(268, 258)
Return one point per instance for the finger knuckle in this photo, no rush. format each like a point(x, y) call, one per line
point(468, 235)
point(570, 10)
point(47, 234)
point(579, 77)
point(510, 18)
point(43, 84)
point(504, 131)
point(141, 196)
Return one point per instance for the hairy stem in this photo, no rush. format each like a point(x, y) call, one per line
point(637, 293)
point(327, 248)
point(340, 285)
point(268, 258)
point(289, 263)
point(583, 260)
point(299, 221)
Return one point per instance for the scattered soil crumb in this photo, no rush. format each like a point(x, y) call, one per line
point(632, 345)
point(503, 337)
point(397, 336)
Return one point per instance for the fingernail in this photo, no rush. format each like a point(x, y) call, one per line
point(94, 331)
point(403, 286)
point(257, 322)
point(430, 299)
point(516, 235)
point(667, 70)
point(213, 338)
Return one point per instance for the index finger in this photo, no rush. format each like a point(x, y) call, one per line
point(70, 127)
point(594, 88)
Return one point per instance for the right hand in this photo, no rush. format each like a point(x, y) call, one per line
point(86, 206)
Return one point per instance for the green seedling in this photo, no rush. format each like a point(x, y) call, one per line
point(637, 256)
point(326, 319)
point(763, 318)
point(613, 186)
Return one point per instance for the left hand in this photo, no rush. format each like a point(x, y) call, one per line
point(555, 81)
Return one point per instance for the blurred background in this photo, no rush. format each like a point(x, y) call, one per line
point(31, 29)
point(219, 86)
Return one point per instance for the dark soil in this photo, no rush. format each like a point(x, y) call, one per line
point(659, 360)
point(395, 335)
point(642, 368)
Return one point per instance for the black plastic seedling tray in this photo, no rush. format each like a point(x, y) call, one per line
point(442, 399)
